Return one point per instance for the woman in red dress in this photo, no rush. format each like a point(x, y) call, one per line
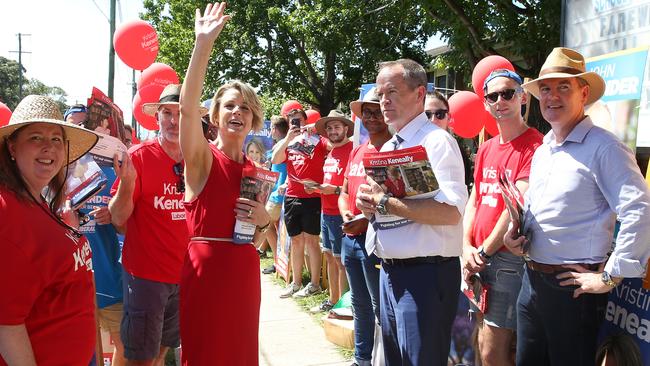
point(220, 283)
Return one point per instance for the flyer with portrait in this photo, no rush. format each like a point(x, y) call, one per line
point(257, 185)
point(305, 143)
point(85, 179)
point(106, 119)
point(404, 173)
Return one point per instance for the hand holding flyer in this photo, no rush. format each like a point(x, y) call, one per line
point(514, 200)
point(406, 174)
point(85, 179)
point(256, 184)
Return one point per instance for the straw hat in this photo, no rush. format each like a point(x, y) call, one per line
point(370, 97)
point(567, 63)
point(334, 115)
point(37, 108)
point(170, 95)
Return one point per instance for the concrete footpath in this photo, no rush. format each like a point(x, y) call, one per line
point(289, 336)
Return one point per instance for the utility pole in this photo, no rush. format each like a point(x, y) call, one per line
point(111, 53)
point(20, 63)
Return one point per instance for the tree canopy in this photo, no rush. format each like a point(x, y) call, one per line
point(523, 31)
point(9, 86)
point(317, 51)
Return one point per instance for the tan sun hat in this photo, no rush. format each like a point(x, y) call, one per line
point(370, 97)
point(334, 115)
point(567, 63)
point(169, 96)
point(38, 108)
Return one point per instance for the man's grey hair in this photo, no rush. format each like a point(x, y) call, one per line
point(414, 74)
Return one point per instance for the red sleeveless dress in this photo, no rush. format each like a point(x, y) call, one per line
point(220, 281)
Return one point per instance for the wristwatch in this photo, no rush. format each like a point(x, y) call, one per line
point(337, 190)
point(265, 228)
point(381, 206)
point(607, 279)
point(483, 254)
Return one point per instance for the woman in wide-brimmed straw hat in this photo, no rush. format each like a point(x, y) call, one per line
point(47, 306)
point(214, 265)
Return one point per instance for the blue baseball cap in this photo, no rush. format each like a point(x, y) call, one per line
point(77, 108)
point(505, 73)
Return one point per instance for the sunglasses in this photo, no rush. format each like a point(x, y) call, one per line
point(507, 94)
point(178, 170)
point(439, 114)
point(367, 114)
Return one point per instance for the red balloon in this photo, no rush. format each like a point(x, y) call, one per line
point(136, 43)
point(288, 106)
point(490, 124)
point(484, 68)
point(148, 94)
point(466, 110)
point(312, 116)
point(158, 73)
point(5, 114)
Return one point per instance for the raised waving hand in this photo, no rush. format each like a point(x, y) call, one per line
point(212, 21)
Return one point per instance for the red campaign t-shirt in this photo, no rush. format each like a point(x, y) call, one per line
point(334, 173)
point(356, 174)
point(46, 283)
point(300, 166)
point(156, 232)
point(492, 157)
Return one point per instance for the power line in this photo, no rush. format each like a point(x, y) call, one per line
point(100, 10)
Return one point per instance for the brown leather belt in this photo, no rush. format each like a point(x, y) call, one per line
point(552, 268)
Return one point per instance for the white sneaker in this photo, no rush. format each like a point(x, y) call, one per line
point(308, 291)
point(289, 290)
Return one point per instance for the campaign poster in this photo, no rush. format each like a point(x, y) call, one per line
point(628, 312)
point(622, 109)
point(283, 251)
point(260, 140)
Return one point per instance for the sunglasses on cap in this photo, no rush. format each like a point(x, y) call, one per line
point(507, 94)
point(439, 114)
point(178, 170)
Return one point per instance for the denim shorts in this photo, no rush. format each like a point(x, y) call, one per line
point(503, 274)
point(332, 234)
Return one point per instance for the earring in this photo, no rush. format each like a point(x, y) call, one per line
point(12, 158)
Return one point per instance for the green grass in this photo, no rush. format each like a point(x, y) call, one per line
point(306, 303)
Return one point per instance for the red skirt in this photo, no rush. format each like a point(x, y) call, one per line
point(220, 304)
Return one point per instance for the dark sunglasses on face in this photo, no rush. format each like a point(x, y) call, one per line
point(178, 170)
point(370, 114)
point(439, 114)
point(505, 95)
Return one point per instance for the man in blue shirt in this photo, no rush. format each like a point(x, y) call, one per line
point(582, 179)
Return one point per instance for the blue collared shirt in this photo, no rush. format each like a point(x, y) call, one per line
point(421, 240)
point(577, 190)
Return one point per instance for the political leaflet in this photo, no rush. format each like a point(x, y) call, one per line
point(256, 184)
point(85, 179)
point(404, 173)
